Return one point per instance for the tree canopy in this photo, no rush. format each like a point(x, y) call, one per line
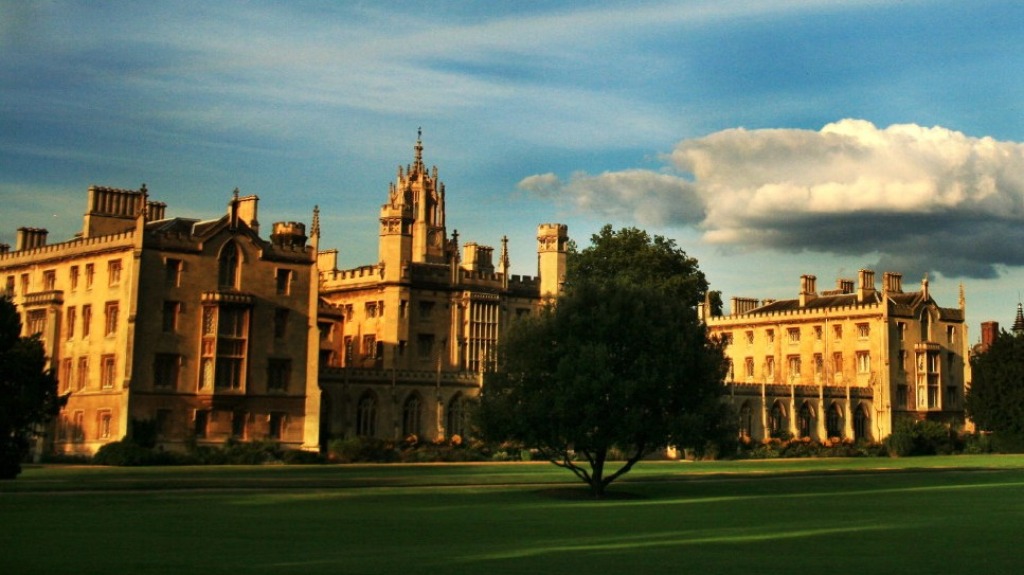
point(619, 362)
point(28, 390)
point(995, 400)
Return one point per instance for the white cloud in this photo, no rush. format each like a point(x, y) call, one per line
point(928, 198)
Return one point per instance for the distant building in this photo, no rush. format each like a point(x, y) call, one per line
point(202, 329)
point(404, 341)
point(843, 363)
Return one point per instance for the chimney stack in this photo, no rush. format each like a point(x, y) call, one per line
point(29, 238)
point(808, 289)
point(867, 285)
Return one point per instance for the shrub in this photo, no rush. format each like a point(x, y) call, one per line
point(362, 450)
point(130, 454)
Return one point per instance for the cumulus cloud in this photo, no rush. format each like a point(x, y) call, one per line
point(926, 199)
point(649, 197)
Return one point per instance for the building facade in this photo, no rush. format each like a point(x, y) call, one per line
point(202, 329)
point(207, 331)
point(843, 363)
point(404, 342)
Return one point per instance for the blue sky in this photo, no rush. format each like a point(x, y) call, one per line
point(769, 138)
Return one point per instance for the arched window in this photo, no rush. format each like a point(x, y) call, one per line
point(777, 420)
point(746, 420)
point(860, 424)
point(804, 420)
point(834, 421)
point(227, 266)
point(456, 421)
point(366, 415)
point(411, 415)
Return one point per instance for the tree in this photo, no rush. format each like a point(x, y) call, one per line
point(28, 391)
point(620, 361)
point(995, 400)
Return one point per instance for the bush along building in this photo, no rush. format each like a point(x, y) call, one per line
point(404, 341)
point(843, 363)
point(200, 330)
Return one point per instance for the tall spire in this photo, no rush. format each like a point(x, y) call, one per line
point(419, 148)
point(1018, 323)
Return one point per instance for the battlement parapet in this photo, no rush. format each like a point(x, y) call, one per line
point(62, 250)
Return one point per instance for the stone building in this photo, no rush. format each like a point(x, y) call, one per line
point(843, 363)
point(404, 341)
point(201, 328)
point(208, 331)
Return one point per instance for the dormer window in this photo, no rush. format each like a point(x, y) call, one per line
point(228, 266)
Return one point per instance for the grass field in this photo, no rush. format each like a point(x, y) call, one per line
point(913, 515)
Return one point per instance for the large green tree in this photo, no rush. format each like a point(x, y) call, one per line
point(995, 400)
point(28, 390)
point(620, 361)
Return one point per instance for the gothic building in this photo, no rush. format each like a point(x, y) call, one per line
point(208, 331)
point(404, 341)
point(843, 363)
point(200, 328)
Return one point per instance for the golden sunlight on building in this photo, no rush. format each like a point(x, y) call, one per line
point(843, 363)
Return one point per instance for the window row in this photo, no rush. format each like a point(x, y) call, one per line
point(456, 416)
point(74, 374)
point(78, 275)
point(794, 334)
point(72, 427)
point(766, 370)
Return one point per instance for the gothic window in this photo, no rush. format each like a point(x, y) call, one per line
point(746, 420)
point(834, 421)
point(366, 415)
point(411, 416)
point(456, 421)
point(804, 420)
point(777, 420)
point(863, 362)
point(227, 266)
point(224, 347)
point(860, 424)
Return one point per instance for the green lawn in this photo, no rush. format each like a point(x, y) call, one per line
point(912, 515)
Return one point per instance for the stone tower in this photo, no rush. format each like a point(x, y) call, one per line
point(412, 225)
point(552, 246)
